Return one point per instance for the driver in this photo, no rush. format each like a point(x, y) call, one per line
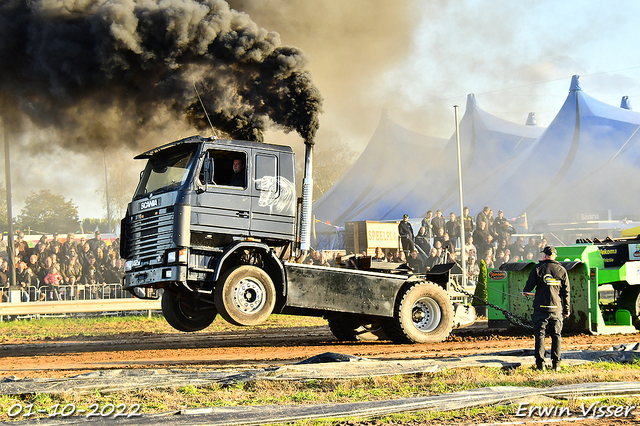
point(238, 178)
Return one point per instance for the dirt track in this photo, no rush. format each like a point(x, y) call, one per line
point(270, 347)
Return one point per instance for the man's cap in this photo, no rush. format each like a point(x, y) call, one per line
point(549, 250)
point(405, 215)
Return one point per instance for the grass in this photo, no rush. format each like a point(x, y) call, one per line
point(60, 328)
point(339, 391)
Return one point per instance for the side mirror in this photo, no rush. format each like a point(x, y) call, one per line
point(208, 170)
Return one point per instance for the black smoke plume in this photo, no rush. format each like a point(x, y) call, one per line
point(101, 71)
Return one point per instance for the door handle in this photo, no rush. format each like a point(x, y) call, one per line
point(244, 215)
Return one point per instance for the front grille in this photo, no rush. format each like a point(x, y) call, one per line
point(150, 235)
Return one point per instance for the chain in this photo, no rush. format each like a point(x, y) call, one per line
point(510, 316)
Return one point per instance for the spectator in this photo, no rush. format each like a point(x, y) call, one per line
point(517, 248)
point(21, 246)
point(83, 255)
point(499, 258)
point(438, 222)
point(52, 282)
point(480, 234)
point(503, 228)
point(69, 244)
point(483, 216)
point(432, 259)
point(468, 222)
point(531, 248)
point(97, 242)
point(405, 230)
point(391, 255)
point(452, 227)
point(488, 260)
point(93, 283)
point(422, 241)
point(4, 280)
point(447, 244)
point(23, 281)
point(439, 238)
point(473, 270)
point(428, 228)
point(379, 255)
point(400, 257)
point(3, 247)
point(415, 262)
point(55, 243)
point(71, 271)
point(470, 248)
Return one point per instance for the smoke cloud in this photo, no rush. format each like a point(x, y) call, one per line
point(101, 73)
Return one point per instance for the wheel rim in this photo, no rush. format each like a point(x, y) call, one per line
point(426, 314)
point(249, 295)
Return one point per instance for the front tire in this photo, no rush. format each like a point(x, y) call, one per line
point(187, 314)
point(245, 296)
point(423, 314)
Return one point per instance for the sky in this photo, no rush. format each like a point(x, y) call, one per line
point(414, 59)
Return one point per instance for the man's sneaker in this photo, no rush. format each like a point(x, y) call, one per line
point(556, 366)
point(540, 366)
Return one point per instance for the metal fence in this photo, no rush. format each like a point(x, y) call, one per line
point(72, 299)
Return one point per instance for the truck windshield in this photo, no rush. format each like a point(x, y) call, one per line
point(166, 170)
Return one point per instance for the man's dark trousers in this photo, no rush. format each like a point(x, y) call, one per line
point(553, 320)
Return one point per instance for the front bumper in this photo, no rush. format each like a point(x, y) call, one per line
point(155, 277)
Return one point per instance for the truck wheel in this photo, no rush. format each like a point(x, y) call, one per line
point(187, 314)
point(245, 295)
point(423, 314)
point(629, 299)
point(351, 328)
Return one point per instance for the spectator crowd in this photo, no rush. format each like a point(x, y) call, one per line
point(486, 238)
point(63, 270)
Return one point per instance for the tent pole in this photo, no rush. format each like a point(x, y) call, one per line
point(462, 239)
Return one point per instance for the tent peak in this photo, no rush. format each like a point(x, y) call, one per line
point(471, 101)
point(625, 103)
point(532, 120)
point(575, 83)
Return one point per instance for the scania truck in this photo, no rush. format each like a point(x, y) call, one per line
point(219, 242)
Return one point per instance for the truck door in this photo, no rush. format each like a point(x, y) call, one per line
point(272, 195)
point(223, 205)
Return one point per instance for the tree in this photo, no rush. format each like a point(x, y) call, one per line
point(89, 225)
point(48, 213)
point(481, 286)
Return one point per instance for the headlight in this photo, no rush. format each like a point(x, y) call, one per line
point(128, 265)
point(179, 256)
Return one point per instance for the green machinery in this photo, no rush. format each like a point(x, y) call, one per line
point(605, 287)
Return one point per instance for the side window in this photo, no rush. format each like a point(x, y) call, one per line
point(266, 173)
point(229, 168)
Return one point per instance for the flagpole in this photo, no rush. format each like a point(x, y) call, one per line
point(462, 241)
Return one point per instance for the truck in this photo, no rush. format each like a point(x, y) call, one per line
point(216, 224)
point(604, 278)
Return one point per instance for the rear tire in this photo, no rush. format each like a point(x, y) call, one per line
point(629, 299)
point(351, 328)
point(423, 314)
point(187, 314)
point(245, 296)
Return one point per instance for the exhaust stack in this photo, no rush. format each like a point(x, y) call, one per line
point(307, 197)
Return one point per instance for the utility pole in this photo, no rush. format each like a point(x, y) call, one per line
point(106, 188)
point(7, 173)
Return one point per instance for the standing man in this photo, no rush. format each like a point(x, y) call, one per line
point(550, 305)
point(405, 230)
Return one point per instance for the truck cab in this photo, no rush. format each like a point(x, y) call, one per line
point(193, 216)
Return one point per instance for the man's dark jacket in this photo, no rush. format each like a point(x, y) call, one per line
point(553, 289)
